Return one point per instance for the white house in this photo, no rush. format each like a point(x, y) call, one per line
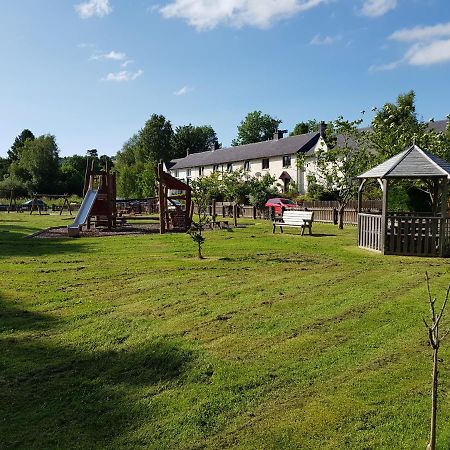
point(278, 157)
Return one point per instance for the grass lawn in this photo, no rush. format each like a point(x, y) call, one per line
point(272, 342)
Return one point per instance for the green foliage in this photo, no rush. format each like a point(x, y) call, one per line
point(193, 139)
point(396, 127)
point(73, 169)
point(345, 158)
point(305, 127)
point(16, 149)
point(256, 127)
point(156, 139)
point(38, 165)
point(4, 167)
point(136, 162)
point(261, 189)
point(13, 183)
point(202, 190)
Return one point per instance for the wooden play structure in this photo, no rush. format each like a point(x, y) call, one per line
point(176, 218)
point(99, 203)
point(103, 212)
point(411, 233)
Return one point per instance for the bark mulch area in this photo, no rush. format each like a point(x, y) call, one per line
point(122, 230)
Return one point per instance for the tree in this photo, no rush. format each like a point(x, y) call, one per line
point(19, 142)
point(73, 169)
point(156, 139)
point(305, 127)
point(345, 157)
point(395, 128)
point(261, 189)
point(4, 167)
point(193, 139)
point(201, 196)
point(256, 127)
point(39, 164)
point(434, 339)
point(92, 153)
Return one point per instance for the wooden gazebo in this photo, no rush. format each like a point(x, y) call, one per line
point(398, 233)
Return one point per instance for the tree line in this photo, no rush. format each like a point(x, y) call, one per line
point(33, 163)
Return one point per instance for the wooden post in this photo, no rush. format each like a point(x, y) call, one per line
point(384, 215)
point(443, 219)
point(235, 213)
point(162, 212)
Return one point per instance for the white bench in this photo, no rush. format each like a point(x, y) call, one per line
point(295, 219)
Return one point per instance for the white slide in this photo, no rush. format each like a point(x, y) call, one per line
point(83, 213)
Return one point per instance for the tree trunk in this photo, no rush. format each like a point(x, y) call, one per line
point(200, 256)
point(341, 217)
point(434, 395)
point(235, 214)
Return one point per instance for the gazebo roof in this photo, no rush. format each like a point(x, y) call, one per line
point(411, 163)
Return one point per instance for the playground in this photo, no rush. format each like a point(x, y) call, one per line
point(271, 341)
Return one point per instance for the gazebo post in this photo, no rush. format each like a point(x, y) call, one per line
point(385, 184)
point(443, 228)
point(360, 190)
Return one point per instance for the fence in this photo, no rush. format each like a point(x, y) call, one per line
point(324, 212)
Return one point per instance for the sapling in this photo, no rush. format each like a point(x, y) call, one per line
point(434, 339)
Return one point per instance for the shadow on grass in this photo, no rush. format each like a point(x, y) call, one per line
point(14, 242)
point(55, 396)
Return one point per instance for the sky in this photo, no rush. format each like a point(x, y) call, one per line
point(91, 72)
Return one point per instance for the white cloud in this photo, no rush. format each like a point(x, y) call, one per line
point(384, 67)
point(208, 14)
point(91, 8)
point(184, 90)
point(377, 8)
point(127, 63)
point(425, 48)
point(318, 39)
point(123, 75)
point(425, 54)
point(112, 55)
point(421, 33)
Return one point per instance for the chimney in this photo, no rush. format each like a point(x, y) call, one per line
point(187, 152)
point(279, 134)
point(323, 129)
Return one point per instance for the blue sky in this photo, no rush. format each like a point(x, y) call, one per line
point(92, 72)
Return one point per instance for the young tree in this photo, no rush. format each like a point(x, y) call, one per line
point(201, 196)
point(193, 139)
point(261, 189)
point(256, 127)
point(15, 150)
point(345, 158)
point(434, 339)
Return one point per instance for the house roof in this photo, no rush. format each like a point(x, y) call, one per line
point(411, 163)
point(286, 146)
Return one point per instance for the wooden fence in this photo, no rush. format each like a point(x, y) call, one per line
point(324, 212)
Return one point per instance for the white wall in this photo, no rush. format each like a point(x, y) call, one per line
point(276, 168)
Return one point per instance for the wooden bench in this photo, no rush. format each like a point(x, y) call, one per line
point(295, 219)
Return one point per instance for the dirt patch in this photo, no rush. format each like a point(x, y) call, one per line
point(122, 230)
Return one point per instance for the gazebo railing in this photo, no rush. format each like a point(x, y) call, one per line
point(413, 235)
point(369, 231)
point(405, 235)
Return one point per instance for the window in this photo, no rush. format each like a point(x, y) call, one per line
point(201, 171)
point(247, 166)
point(188, 172)
point(229, 167)
point(215, 167)
point(286, 161)
point(265, 163)
point(188, 181)
point(175, 173)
